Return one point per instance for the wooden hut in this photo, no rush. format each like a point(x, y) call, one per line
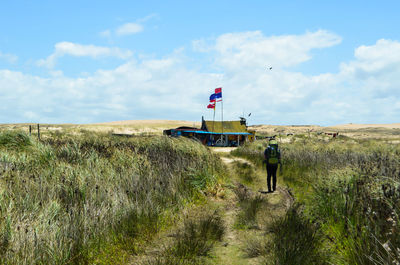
point(217, 133)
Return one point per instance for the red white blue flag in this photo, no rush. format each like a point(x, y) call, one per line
point(211, 106)
point(217, 96)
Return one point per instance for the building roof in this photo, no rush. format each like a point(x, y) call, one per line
point(229, 127)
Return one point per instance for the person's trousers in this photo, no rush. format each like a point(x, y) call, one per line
point(271, 172)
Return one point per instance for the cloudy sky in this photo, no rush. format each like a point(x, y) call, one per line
point(96, 61)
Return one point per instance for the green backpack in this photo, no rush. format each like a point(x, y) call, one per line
point(273, 154)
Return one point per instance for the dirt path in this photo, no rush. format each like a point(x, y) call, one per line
point(232, 250)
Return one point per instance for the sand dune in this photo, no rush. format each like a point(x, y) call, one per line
point(364, 126)
point(148, 122)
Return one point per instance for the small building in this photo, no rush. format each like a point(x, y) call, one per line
point(216, 133)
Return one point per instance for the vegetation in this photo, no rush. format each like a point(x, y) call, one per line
point(348, 192)
point(194, 241)
point(94, 198)
point(245, 171)
point(249, 204)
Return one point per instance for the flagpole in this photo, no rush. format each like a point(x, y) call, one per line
point(222, 111)
point(215, 105)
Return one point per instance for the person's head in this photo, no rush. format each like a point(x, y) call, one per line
point(272, 142)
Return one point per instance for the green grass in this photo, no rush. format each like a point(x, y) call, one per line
point(16, 140)
point(295, 240)
point(71, 198)
point(249, 208)
point(194, 241)
point(250, 205)
point(350, 190)
point(245, 171)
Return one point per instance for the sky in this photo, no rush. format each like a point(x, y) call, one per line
point(333, 62)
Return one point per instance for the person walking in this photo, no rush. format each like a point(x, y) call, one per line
point(272, 156)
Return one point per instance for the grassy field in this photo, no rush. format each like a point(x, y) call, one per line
point(93, 198)
point(82, 195)
point(348, 200)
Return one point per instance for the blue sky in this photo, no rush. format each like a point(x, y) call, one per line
point(94, 61)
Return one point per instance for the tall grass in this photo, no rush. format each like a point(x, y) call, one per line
point(250, 205)
point(68, 195)
point(193, 241)
point(245, 171)
point(351, 189)
point(296, 240)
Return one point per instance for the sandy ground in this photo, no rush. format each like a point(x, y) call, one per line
point(223, 149)
point(353, 126)
point(151, 123)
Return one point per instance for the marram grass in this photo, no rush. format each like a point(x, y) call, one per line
point(63, 198)
point(350, 190)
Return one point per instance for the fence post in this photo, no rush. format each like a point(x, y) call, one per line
point(30, 130)
point(38, 131)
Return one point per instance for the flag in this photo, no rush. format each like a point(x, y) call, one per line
point(211, 106)
point(218, 94)
point(212, 98)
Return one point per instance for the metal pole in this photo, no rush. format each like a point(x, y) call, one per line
point(222, 109)
point(222, 115)
point(215, 105)
point(38, 131)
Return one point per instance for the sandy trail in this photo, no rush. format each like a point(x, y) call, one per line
point(231, 250)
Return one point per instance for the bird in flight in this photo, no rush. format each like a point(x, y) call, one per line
point(270, 68)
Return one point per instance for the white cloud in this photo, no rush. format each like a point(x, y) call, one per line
point(79, 50)
point(105, 33)
point(129, 29)
point(253, 49)
point(169, 88)
point(371, 81)
point(11, 58)
point(123, 30)
point(380, 58)
point(201, 46)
